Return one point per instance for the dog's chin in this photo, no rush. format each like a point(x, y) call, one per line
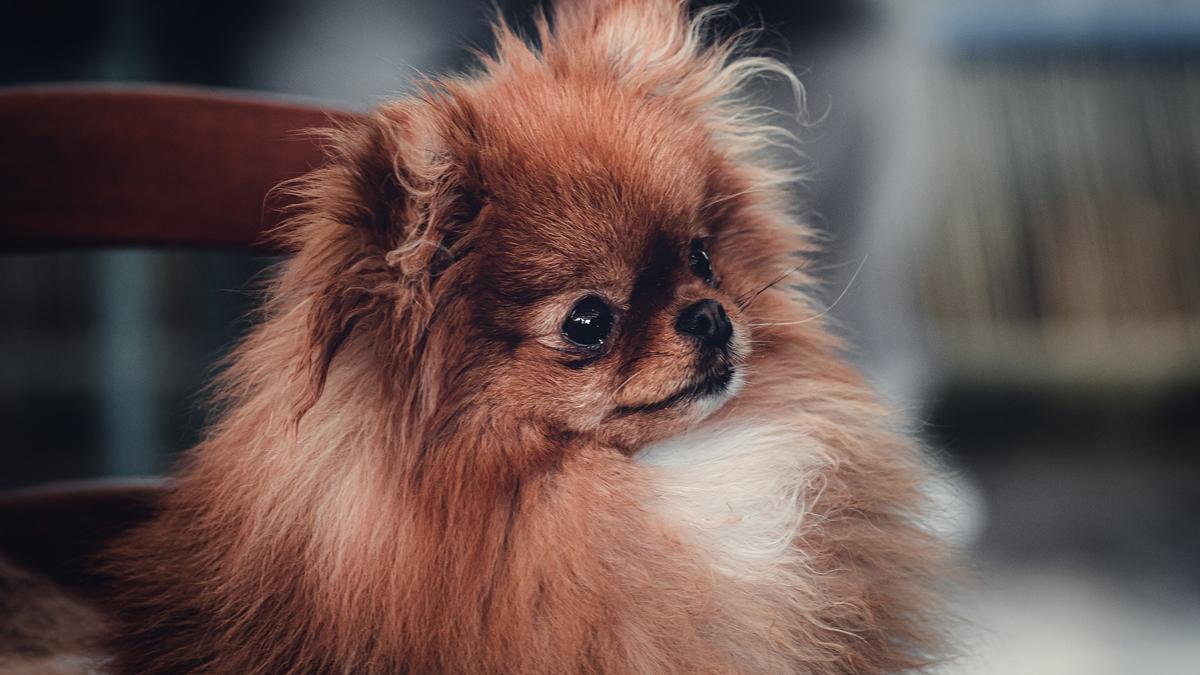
point(714, 392)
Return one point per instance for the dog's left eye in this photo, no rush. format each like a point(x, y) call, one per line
point(700, 264)
point(589, 322)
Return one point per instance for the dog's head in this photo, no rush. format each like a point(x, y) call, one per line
point(570, 240)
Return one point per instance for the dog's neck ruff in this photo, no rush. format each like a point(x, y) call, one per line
point(739, 491)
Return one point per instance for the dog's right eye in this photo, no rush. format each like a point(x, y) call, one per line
point(700, 263)
point(589, 322)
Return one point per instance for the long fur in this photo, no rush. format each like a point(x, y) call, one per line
point(383, 492)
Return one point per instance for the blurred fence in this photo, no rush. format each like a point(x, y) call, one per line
point(1069, 162)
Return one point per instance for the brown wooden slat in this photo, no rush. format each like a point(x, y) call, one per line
point(153, 166)
point(59, 530)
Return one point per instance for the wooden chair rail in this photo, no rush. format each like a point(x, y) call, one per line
point(147, 166)
point(60, 529)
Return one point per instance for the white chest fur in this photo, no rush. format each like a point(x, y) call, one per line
point(740, 493)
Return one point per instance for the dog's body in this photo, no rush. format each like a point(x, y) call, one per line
point(422, 467)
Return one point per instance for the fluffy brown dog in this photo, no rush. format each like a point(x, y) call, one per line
point(528, 399)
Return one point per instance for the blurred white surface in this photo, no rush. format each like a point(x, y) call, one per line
point(1070, 621)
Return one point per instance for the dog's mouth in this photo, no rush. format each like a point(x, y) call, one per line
point(716, 383)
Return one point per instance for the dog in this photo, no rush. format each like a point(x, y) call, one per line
point(539, 390)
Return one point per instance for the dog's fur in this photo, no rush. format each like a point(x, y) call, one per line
point(412, 474)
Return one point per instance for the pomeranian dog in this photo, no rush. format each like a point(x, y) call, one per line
point(531, 397)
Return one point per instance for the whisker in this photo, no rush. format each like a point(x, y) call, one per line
point(828, 309)
point(626, 382)
point(743, 303)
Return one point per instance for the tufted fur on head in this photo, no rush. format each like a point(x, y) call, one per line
point(416, 471)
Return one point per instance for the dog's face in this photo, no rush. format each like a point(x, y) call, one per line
point(602, 288)
point(588, 248)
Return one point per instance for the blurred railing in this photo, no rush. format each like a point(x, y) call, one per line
point(1069, 168)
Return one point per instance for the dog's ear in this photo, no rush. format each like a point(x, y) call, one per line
point(379, 224)
point(422, 166)
point(400, 185)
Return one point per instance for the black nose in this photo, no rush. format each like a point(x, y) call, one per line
point(706, 321)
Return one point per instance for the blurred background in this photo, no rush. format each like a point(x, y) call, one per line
point(1010, 198)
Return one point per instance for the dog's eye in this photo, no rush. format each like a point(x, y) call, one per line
point(589, 322)
point(699, 262)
